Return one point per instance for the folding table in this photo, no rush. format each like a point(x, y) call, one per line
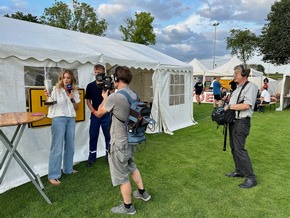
point(19, 119)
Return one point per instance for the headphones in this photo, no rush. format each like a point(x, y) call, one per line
point(115, 77)
point(244, 73)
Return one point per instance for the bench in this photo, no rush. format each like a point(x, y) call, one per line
point(262, 107)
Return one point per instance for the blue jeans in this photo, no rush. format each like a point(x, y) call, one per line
point(63, 137)
point(95, 125)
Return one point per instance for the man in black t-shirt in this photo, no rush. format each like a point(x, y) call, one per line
point(198, 89)
point(94, 99)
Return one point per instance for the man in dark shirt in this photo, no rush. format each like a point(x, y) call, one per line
point(233, 85)
point(94, 99)
point(198, 89)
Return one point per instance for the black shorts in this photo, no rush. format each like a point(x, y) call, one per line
point(198, 92)
point(217, 97)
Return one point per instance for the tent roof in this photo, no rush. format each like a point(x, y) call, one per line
point(31, 40)
point(227, 69)
point(198, 68)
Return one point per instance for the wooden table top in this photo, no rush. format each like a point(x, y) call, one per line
point(17, 118)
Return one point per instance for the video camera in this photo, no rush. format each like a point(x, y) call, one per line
point(105, 81)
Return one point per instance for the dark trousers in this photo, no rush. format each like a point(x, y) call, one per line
point(95, 125)
point(239, 130)
point(257, 107)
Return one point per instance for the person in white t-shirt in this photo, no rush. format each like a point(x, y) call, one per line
point(265, 98)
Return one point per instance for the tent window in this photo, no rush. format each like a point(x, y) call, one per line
point(176, 88)
point(34, 77)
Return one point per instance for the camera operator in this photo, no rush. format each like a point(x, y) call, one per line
point(121, 154)
point(240, 128)
point(94, 99)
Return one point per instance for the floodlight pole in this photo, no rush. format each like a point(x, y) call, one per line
point(214, 43)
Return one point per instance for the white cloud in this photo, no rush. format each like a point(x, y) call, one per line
point(4, 8)
point(19, 3)
point(109, 10)
point(183, 47)
point(175, 34)
point(254, 11)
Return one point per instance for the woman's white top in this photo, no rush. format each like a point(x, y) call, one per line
point(63, 107)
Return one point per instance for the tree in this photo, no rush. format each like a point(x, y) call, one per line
point(86, 21)
point(20, 16)
point(139, 30)
point(242, 43)
point(82, 18)
point(59, 15)
point(258, 67)
point(274, 38)
point(261, 68)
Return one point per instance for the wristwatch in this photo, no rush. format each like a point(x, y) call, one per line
point(229, 106)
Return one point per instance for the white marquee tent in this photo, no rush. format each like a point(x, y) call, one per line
point(227, 69)
point(198, 69)
point(156, 77)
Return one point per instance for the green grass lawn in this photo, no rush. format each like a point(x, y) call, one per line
point(184, 173)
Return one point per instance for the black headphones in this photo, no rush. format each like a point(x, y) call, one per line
point(115, 77)
point(244, 73)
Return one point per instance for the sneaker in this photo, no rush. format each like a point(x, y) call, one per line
point(144, 197)
point(123, 210)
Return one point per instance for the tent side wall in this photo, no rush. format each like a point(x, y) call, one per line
point(166, 107)
point(142, 84)
point(285, 91)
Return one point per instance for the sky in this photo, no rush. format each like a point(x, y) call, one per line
point(184, 28)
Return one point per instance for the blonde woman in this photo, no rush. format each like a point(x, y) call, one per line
point(63, 115)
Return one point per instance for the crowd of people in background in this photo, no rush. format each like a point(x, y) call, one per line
point(221, 95)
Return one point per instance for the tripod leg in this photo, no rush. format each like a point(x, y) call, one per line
point(225, 137)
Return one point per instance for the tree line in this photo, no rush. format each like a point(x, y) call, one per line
point(273, 43)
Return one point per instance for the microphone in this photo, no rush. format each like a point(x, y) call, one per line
point(69, 88)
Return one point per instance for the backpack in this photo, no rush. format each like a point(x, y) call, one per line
point(139, 118)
